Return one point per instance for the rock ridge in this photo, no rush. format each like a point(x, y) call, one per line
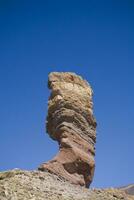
point(37, 185)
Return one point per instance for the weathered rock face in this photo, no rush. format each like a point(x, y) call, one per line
point(70, 121)
point(37, 185)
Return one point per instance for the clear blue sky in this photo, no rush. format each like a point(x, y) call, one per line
point(92, 38)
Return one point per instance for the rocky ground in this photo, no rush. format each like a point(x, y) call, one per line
point(36, 185)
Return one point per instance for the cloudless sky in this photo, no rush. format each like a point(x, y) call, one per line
point(93, 38)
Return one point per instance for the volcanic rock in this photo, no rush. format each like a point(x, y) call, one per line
point(70, 121)
point(37, 185)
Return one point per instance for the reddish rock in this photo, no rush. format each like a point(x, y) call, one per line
point(70, 121)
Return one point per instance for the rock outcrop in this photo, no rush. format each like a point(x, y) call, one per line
point(70, 121)
point(37, 185)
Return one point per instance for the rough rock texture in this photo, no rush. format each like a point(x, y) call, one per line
point(70, 121)
point(37, 185)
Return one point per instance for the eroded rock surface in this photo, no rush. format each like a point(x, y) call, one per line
point(37, 185)
point(70, 121)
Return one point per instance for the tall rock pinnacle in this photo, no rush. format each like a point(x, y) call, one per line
point(70, 121)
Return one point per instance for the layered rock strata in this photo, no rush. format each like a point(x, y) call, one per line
point(70, 121)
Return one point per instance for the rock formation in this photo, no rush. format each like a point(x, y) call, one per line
point(70, 121)
point(37, 185)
